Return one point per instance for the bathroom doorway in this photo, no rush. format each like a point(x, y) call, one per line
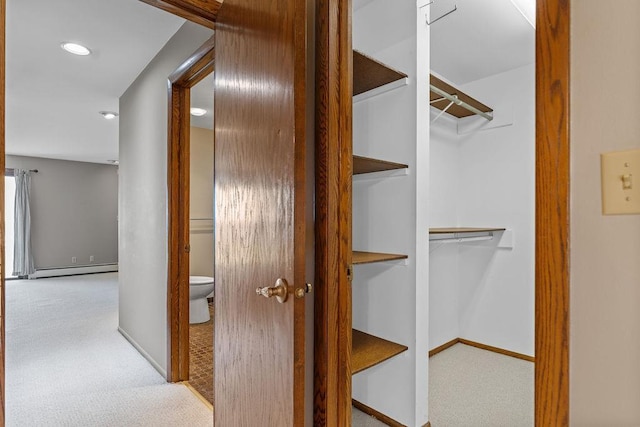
point(190, 230)
point(201, 242)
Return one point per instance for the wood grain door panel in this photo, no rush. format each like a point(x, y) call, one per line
point(259, 212)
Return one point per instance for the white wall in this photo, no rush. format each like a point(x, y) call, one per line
point(498, 189)
point(486, 178)
point(443, 196)
point(143, 198)
point(201, 202)
point(386, 296)
point(74, 209)
point(605, 250)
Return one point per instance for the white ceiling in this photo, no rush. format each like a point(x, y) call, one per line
point(479, 39)
point(53, 97)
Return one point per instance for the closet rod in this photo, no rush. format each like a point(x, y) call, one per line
point(458, 101)
point(461, 239)
point(455, 7)
point(10, 171)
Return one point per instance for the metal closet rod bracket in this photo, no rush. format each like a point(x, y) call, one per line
point(455, 7)
point(455, 100)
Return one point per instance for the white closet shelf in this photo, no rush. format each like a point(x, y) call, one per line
point(464, 106)
point(449, 230)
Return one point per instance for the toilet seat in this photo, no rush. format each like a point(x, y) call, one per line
point(200, 280)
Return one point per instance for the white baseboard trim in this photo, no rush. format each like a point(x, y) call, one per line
point(144, 354)
point(72, 271)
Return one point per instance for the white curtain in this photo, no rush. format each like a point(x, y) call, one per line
point(22, 256)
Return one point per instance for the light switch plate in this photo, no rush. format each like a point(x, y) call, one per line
point(620, 172)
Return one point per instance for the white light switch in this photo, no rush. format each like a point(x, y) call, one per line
point(620, 172)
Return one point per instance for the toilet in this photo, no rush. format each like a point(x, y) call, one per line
point(200, 287)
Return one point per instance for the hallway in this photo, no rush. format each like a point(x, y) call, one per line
point(67, 364)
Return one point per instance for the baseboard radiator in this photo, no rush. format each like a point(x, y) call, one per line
point(73, 271)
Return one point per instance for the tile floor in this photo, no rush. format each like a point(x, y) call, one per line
point(201, 357)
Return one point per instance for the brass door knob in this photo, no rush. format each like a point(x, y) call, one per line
point(280, 291)
point(301, 292)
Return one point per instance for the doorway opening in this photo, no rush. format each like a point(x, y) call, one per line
point(482, 226)
point(201, 242)
point(552, 219)
point(183, 226)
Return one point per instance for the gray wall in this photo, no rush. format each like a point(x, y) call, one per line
point(605, 250)
point(143, 198)
point(74, 211)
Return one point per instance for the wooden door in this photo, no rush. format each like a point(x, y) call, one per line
point(256, 28)
point(260, 180)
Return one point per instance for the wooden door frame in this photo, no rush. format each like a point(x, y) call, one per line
point(188, 74)
point(553, 175)
point(334, 158)
point(333, 121)
point(333, 196)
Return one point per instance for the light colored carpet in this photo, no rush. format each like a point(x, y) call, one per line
point(67, 365)
point(473, 387)
point(360, 419)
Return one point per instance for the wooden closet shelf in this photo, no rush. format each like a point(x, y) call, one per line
point(454, 110)
point(369, 74)
point(451, 230)
point(370, 257)
point(367, 165)
point(368, 351)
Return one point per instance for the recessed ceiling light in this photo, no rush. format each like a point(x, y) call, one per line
point(109, 115)
point(198, 112)
point(76, 49)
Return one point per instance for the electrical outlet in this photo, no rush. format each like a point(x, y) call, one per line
point(74, 260)
point(91, 258)
point(620, 182)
